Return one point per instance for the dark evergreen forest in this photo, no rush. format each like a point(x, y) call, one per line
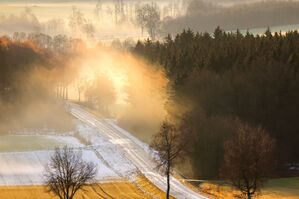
point(226, 77)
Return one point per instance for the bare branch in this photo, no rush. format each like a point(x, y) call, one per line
point(67, 173)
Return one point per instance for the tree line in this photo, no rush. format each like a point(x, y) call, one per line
point(32, 75)
point(220, 79)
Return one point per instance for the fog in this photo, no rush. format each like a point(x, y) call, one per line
point(206, 16)
point(105, 20)
point(110, 20)
point(131, 90)
point(31, 107)
point(110, 81)
point(74, 39)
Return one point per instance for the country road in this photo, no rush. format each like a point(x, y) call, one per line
point(133, 150)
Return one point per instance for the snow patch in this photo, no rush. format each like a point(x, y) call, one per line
point(26, 168)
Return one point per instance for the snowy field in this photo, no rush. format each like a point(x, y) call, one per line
point(23, 157)
point(26, 168)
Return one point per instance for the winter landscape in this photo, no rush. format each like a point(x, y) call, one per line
point(125, 99)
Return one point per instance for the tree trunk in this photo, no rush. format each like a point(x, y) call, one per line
point(63, 91)
point(248, 195)
point(66, 93)
point(168, 181)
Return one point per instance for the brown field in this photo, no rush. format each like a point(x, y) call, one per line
point(141, 189)
point(123, 190)
point(150, 189)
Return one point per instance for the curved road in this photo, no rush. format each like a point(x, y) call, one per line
point(134, 150)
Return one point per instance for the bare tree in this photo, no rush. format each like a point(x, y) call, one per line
point(99, 9)
point(140, 17)
point(88, 28)
point(67, 173)
point(101, 94)
point(248, 159)
point(148, 16)
point(55, 26)
point(169, 145)
point(76, 20)
point(81, 84)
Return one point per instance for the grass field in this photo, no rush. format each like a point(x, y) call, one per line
point(123, 190)
point(282, 188)
point(14, 143)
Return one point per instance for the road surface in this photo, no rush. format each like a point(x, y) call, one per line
point(134, 150)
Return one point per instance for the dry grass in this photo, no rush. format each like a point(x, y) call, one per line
point(149, 188)
point(123, 190)
point(275, 189)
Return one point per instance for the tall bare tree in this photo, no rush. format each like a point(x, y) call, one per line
point(76, 20)
point(99, 9)
point(67, 173)
point(248, 159)
point(148, 16)
point(169, 145)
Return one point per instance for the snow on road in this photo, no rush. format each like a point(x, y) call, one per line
point(122, 152)
point(106, 149)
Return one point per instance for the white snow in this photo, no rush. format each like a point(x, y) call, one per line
point(66, 140)
point(26, 168)
point(107, 149)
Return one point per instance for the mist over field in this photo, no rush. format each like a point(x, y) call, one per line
point(73, 39)
point(110, 20)
point(205, 16)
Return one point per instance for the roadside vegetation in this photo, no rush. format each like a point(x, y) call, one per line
point(274, 188)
